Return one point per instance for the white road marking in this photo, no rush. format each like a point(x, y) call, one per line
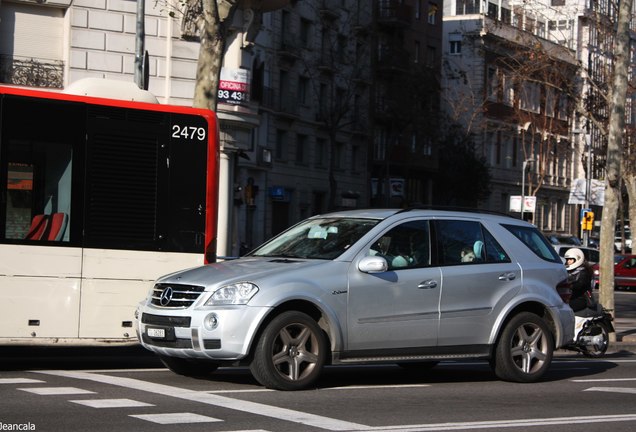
point(19, 381)
point(604, 380)
point(175, 418)
point(496, 424)
point(612, 389)
point(216, 400)
point(56, 390)
point(111, 403)
point(359, 387)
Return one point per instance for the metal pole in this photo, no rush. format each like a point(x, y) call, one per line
point(523, 186)
point(139, 43)
point(588, 183)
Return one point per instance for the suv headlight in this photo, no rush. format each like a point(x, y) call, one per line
point(235, 294)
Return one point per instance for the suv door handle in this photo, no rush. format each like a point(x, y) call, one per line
point(507, 276)
point(429, 284)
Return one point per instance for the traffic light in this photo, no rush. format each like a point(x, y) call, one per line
point(587, 222)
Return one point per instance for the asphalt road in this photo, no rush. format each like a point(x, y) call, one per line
point(125, 389)
point(88, 390)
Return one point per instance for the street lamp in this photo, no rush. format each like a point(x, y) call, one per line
point(523, 184)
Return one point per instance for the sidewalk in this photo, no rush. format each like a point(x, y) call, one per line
point(625, 335)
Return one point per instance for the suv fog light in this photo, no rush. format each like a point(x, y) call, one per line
point(211, 321)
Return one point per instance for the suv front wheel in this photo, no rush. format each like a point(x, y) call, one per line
point(525, 348)
point(290, 353)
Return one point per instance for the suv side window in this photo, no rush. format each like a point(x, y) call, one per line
point(466, 242)
point(535, 241)
point(405, 246)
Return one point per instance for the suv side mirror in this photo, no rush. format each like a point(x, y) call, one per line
point(373, 264)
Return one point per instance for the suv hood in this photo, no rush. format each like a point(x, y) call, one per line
point(250, 269)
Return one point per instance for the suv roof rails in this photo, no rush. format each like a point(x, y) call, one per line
point(455, 208)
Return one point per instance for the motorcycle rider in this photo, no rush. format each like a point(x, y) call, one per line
point(580, 277)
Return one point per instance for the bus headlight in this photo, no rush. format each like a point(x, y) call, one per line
point(235, 294)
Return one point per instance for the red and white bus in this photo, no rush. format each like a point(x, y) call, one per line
point(98, 197)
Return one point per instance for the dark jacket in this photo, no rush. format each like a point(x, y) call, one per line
point(580, 281)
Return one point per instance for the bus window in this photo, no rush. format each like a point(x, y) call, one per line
point(38, 190)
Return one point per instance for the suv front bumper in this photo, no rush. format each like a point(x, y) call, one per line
point(219, 333)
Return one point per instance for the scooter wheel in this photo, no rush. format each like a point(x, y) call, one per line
point(598, 336)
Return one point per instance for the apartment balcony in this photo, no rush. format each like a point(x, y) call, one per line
point(31, 72)
point(329, 9)
point(289, 48)
point(393, 13)
point(285, 103)
point(391, 58)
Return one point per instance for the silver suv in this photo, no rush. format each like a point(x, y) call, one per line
point(411, 287)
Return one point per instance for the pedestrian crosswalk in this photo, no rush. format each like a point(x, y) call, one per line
point(95, 401)
point(100, 403)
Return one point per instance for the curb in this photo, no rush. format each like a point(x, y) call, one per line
point(625, 343)
point(628, 338)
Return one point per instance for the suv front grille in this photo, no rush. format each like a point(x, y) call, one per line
point(175, 295)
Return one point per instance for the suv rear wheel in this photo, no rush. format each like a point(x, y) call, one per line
point(524, 350)
point(290, 353)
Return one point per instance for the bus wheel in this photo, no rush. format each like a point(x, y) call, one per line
point(188, 367)
point(291, 352)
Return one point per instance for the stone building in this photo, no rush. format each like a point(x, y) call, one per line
point(528, 125)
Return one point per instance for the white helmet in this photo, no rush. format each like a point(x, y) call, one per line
point(577, 255)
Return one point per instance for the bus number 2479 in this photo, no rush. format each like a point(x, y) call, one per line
point(188, 132)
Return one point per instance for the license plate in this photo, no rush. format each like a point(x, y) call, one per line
point(156, 332)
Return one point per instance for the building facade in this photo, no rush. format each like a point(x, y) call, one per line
point(510, 76)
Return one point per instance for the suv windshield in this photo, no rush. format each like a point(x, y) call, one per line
point(321, 238)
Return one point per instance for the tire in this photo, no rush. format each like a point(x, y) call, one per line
point(599, 335)
point(524, 350)
point(290, 353)
point(189, 367)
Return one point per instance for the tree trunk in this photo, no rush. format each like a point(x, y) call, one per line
point(614, 151)
point(629, 180)
point(210, 57)
point(333, 183)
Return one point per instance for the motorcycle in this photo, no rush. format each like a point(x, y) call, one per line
point(591, 329)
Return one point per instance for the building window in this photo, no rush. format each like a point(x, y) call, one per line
point(498, 148)
point(508, 89)
point(305, 31)
point(563, 107)
point(379, 144)
point(531, 96)
point(301, 150)
point(320, 152)
point(418, 9)
point(466, 7)
point(416, 54)
point(280, 151)
point(431, 56)
point(303, 90)
point(455, 47)
point(342, 48)
point(493, 11)
point(355, 159)
point(340, 155)
point(432, 13)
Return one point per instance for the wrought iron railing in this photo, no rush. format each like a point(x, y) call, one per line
point(31, 72)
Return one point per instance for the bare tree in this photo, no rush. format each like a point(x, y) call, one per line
point(338, 76)
point(529, 88)
point(616, 130)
